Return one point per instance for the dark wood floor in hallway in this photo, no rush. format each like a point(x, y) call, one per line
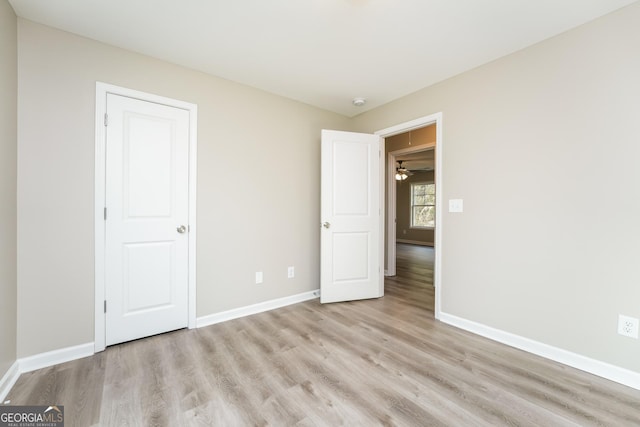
point(364, 363)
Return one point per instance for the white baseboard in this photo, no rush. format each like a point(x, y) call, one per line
point(42, 360)
point(236, 313)
point(50, 358)
point(8, 380)
point(596, 367)
point(414, 242)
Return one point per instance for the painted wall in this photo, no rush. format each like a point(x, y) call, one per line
point(422, 136)
point(543, 146)
point(403, 210)
point(258, 184)
point(8, 176)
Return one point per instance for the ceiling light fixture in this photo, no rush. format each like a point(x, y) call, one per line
point(359, 102)
point(401, 173)
point(401, 176)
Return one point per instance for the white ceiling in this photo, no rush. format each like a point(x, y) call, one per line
point(321, 52)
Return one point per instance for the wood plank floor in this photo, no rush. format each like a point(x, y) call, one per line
point(366, 363)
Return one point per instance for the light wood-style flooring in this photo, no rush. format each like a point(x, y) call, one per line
point(365, 363)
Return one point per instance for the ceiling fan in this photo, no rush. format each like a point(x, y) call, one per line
point(402, 173)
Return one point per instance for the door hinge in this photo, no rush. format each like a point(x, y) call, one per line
point(105, 214)
point(106, 119)
point(105, 306)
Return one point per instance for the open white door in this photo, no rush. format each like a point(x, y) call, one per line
point(351, 215)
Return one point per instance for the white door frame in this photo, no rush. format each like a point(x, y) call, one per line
point(391, 192)
point(102, 89)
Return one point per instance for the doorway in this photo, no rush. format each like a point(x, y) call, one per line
point(145, 215)
point(392, 157)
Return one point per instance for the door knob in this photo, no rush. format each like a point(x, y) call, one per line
point(181, 229)
point(326, 225)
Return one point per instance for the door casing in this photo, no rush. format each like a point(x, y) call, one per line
point(102, 89)
point(390, 237)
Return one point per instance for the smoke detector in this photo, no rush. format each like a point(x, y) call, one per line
point(359, 102)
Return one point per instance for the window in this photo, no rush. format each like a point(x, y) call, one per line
point(423, 205)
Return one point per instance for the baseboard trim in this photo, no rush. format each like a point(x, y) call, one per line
point(236, 313)
point(8, 380)
point(50, 358)
point(414, 242)
point(592, 366)
point(42, 360)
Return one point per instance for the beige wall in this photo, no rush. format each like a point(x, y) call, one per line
point(543, 146)
point(421, 136)
point(8, 174)
point(258, 184)
point(403, 209)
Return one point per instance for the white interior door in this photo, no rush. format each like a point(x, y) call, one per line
point(351, 258)
point(146, 229)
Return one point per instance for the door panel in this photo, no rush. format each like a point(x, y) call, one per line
point(351, 178)
point(353, 246)
point(146, 278)
point(147, 166)
point(144, 288)
point(350, 212)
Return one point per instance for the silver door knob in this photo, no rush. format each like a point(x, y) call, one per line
point(326, 225)
point(181, 229)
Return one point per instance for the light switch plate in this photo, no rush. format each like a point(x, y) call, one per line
point(455, 205)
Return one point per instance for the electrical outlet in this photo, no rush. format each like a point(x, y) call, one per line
point(628, 326)
point(291, 272)
point(258, 277)
point(455, 205)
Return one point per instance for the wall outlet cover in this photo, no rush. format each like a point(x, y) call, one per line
point(456, 205)
point(628, 326)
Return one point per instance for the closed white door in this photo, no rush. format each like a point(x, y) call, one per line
point(147, 239)
point(351, 258)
